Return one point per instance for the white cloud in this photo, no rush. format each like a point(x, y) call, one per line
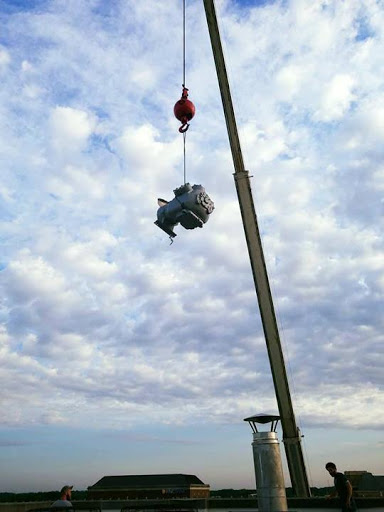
point(5, 58)
point(289, 80)
point(75, 181)
point(336, 99)
point(32, 92)
point(70, 128)
point(32, 276)
point(26, 66)
point(83, 258)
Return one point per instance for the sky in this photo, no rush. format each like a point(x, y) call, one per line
point(122, 353)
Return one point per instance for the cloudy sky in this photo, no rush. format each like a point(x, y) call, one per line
point(124, 354)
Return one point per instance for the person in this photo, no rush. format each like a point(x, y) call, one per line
point(65, 498)
point(343, 488)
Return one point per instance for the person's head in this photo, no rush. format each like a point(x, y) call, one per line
point(331, 468)
point(66, 492)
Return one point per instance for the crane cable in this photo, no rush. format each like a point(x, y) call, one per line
point(184, 133)
point(183, 43)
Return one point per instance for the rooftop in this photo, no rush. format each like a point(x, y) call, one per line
point(134, 481)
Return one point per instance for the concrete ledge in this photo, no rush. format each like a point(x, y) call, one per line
point(191, 504)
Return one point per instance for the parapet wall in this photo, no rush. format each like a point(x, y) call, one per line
point(23, 507)
point(201, 505)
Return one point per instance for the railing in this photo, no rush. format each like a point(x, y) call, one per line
point(83, 507)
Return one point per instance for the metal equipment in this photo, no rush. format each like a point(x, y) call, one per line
point(270, 485)
point(184, 110)
point(191, 206)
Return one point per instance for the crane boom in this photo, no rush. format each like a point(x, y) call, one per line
point(291, 434)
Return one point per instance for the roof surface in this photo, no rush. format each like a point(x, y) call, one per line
point(133, 481)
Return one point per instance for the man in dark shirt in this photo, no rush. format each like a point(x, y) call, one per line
point(343, 488)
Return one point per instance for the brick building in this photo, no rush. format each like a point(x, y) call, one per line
point(365, 484)
point(148, 487)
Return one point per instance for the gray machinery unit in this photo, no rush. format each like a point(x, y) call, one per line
point(191, 207)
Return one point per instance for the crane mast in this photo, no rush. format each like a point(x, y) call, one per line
point(291, 434)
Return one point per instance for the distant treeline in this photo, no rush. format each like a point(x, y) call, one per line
point(246, 493)
point(11, 497)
